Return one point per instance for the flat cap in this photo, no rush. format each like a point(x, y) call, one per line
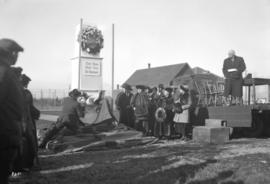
point(9, 45)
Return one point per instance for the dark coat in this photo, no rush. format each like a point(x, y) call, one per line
point(35, 113)
point(123, 100)
point(140, 102)
point(238, 64)
point(71, 113)
point(167, 103)
point(233, 79)
point(122, 103)
point(11, 108)
point(30, 115)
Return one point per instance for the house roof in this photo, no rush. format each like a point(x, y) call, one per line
point(157, 75)
point(200, 71)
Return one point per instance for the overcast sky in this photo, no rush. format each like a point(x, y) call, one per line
point(159, 32)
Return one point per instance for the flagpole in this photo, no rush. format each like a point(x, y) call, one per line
point(112, 63)
point(80, 48)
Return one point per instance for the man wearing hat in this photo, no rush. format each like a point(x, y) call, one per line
point(153, 98)
point(233, 67)
point(160, 89)
point(11, 108)
point(122, 103)
point(69, 117)
point(140, 104)
point(31, 113)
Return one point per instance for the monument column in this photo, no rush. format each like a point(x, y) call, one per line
point(87, 63)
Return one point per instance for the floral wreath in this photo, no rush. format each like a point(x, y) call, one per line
point(160, 115)
point(91, 40)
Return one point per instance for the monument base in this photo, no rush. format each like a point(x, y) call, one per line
point(87, 73)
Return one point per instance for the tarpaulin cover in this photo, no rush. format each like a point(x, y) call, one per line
point(101, 132)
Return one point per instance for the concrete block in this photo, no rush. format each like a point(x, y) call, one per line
point(215, 123)
point(214, 135)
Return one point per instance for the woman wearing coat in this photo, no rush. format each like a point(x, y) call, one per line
point(140, 104)
point(164, 115)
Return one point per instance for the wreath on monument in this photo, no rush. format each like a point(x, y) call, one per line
point(91, 40)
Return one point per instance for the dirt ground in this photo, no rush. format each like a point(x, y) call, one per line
point(240, 161)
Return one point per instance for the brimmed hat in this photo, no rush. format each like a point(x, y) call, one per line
point(169, 89)
point(150, 90)
point(147, 87)
point(154, 88)
point(140, 86)
point(161, 86)
point(74, 93)
point(126, 86)
point(184, 87)
point(25, 79)
point(9, 46)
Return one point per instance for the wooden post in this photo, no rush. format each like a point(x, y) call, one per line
point(248, 95)
point(268, 94)
point(80, 48)
point(112, 63)
point(253, 91)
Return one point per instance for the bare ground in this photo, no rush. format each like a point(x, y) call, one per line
point(168, 162)
point(237, 162)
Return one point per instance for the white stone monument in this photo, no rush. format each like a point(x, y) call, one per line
point(87, 63)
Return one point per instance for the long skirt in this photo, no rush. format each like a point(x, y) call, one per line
point(126, 117)
point(165, 128)
point(142, 126)
point(181, 121)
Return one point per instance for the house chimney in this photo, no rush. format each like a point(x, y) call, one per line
point(149, 65)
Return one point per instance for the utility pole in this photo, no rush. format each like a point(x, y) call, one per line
point(112, 63)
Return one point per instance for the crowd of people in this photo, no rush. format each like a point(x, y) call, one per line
point(18, 141)
point(163, 112)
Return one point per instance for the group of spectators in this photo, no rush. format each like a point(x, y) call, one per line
point(160, 112)
point(18, 141)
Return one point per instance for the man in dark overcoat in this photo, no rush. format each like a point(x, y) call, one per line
point(122, 103)
point(233, 67)
point(153, 104)
point(31, 113)
point(11, 108)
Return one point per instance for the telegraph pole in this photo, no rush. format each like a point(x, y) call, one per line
point(112, 63)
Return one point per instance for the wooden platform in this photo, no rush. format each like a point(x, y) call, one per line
point(236, 116)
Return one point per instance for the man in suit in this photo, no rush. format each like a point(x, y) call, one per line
point(233, 67)
point(11, 108)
